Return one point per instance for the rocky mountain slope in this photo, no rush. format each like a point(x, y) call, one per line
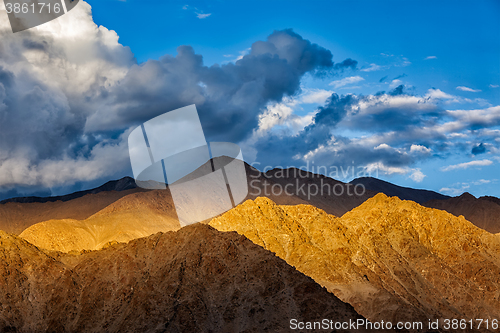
point(484, 212)
point(17, 216)
point(82, 219)
point(193, 280)
point(390, 259)
point(134, 216)
point(140, 214)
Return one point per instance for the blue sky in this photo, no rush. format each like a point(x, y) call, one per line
point(449, 44)
point(418, 105)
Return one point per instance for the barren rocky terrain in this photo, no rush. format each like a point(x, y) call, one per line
point(390, 259)
point(193, 280)
point(484, 212)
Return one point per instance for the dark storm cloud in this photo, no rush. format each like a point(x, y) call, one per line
point(399, 90)
point(6, 77)
point(66, 109)
point(300, 54)
point(397, 119)
point(479, 149)
point(334, 110)
point(276, 150)
point(346, 64)
point(229, 97)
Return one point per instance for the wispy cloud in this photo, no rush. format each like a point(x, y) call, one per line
point(346, 81)
point(419, 149)
point(454, 191)
point(202, 16)
point(372, 68)
point(460, 187)
point(467, 165)
point(239, 57)
point(417, 175)
point(430, 57)
point(318, 96)
point(437, 94)
point(462, 88)
point(199, 13)
point(404, 63)
point(494, 86)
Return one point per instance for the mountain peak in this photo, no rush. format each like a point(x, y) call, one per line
point(467, 195)
point(215, 282)
point(381, 256)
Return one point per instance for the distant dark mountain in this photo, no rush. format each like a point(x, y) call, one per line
point(484, 212)
point(283, 186)
point(21, 213)
point(403, 193)
point(123, 184)
point(328, 194)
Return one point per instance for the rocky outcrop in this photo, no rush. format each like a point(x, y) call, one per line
point(193, 280)
point(484, 212)
point(391, 259)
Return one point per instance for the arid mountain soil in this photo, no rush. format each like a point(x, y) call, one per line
point(141, 214)
point(390, 259)
point(82, 220)
point(484, 212)
point(134, 216)
point(193, 280)
point(17, 216)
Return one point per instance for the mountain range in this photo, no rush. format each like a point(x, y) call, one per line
point(116, 258)
point(193, 280)
point(393, 260)
point(18, 214)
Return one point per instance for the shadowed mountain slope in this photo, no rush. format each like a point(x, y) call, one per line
point(193, 280)
point(15, 216)
point(390, 259)
point(403, 193)
point(134, 216)
point(484, 212)
point(141, 214)
point(328, 194)
point(126, 183)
